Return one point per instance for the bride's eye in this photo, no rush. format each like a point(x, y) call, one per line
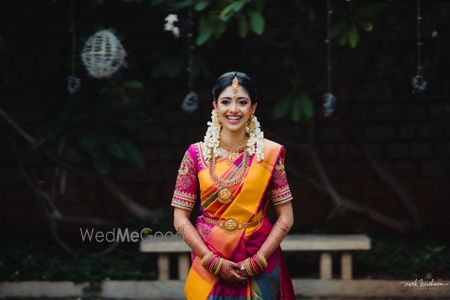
point(225, 102)
point(243, 102)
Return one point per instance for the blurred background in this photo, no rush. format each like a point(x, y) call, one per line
point(99, 100)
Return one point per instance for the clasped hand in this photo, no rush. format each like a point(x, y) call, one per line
point(232, 272)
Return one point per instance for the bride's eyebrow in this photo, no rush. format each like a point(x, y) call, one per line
point(239, 98)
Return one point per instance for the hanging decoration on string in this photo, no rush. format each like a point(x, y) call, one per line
point(170, 19)
point(419, 84)
point(329, 100)
point(103, 54)
point(73, 82)
point(190, 101)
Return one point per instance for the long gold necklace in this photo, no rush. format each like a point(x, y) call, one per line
point(224, 193)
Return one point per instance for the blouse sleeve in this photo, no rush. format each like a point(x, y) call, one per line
point(278, 190)
point(185, 193)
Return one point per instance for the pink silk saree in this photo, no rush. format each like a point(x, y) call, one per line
point(264, 182)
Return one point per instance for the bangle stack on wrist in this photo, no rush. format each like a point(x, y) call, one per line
point(255, 264)
point(212, 262)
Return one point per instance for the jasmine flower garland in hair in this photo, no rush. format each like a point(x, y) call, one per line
point(212, 136)
point(256, 138)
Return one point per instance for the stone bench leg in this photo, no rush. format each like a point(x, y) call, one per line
point(326, 265)
point(183, 265)
point(346, 265)
point(163, 267)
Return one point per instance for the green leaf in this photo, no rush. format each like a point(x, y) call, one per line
point(282, 107)
point(353, 37)
point(102, 164)
point(343, 39)
point(296, 111)
point(243, 26)
point(257, 21)
point(226, 13)
point(201, 5)
point(204, 31)
point(338, 29)
point(238, 5)
point(220, 29)
point(203, 36)
point(134, 84)
point(307, 106)
point(370, 9)
point(115, 147)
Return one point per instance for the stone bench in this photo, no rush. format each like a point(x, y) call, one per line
point(325, 244)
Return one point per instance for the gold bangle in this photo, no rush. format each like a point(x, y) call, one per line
point(262, 259)
point(219, 266)
point(207, 257)
point(259, 263)
point(217, 263)
point(249, 268)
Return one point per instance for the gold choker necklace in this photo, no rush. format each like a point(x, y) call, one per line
point(234, 149)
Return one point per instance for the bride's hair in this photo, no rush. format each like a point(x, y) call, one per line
point(225, 80)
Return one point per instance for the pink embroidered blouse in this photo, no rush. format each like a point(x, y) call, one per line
point(187, 186)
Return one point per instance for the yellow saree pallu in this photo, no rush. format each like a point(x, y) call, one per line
point(236, 245)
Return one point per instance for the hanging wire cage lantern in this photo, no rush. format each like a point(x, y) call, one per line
point(103, 54)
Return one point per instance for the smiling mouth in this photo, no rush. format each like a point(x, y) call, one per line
point(233, 119)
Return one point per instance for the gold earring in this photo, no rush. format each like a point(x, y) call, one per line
point(252, 125)
point(217, 122)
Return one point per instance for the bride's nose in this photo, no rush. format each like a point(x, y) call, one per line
point(233, 107)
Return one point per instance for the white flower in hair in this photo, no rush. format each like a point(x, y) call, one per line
point(212, 136)
point(256, 139)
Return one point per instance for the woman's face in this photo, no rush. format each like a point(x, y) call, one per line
point(233, 111)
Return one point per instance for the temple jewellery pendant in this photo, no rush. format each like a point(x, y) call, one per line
point(232, 157)
point(225, 195)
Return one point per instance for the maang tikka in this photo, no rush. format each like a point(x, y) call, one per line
point(235, 86)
